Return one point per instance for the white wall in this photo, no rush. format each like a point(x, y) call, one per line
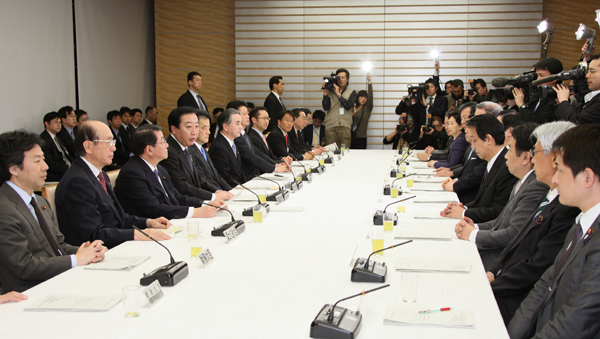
point(115, 50)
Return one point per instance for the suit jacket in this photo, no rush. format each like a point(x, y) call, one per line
point(56, 165)
point(126, 136)
point(274, 107)
point(228, 164)
point(543, 113)
point(121, 154)
point(86, 213)
point(260, 146)
point(277, 144)
point(569, 305)
point(529, 254)
point(493, 193)
point(439, 106)
point(144, 122)
point(140, 193)
point(309, 133)
point(588, 113)
point(494, 235)
point(210, 179)
point(456, 153)
point(253, 163)
point(469, 174)
point(26, 258)
point(184, 180)
point(187, 99)
point(297, 146)
point(66, 139)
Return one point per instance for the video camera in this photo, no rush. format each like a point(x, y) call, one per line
point(578, 88)
point(416, 92)
point(505, 85)
point(330, 81)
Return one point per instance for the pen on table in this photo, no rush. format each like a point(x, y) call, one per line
point(436, 310)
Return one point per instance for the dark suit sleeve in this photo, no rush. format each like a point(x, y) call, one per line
point(504, 183)
point(250, 158)
point(590, 114)
point(524, 274)
point(455, 155)
point(402, 108)
point(277, 144)
point(273, 107)
point(221, 162)
point(173, 165)
point(51, 154)
point(471, 180)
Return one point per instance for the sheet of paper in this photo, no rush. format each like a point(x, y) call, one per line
point(279, 208)
point(257, 184)
point(418, 264)
point(428, 215)
point(244, 195)
point(429, 187)
point(331, 147)
point(411, 316)
point(423, 234)
point(75, 303)
point(276, 178)
point(428, 179)
point(439, 198)
point(421, 171)
point(419, 165)
point(118, 263)
point(172, 229)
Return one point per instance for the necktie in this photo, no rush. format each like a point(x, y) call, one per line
point(203, 153)
point(234, 150)
point(264, 140)
point(161, 185)
point(61, 150)
point(541, 208)
point(248, 140)
point(71, 134)
point(536, 106)
point(485, 175)
point(286, 140)
point(430, 101)
point(102, 182)
point(576, 238)
point(44, 226)
point(200, 104)
point(282, 105)
point(119, 137)
point(315, 137)
point(189, 158)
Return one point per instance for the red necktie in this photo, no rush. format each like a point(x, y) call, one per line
point(102, 182)
point(286, 141)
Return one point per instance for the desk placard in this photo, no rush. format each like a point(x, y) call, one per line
point(153, 293)
point(206, 257)
point(231, 233)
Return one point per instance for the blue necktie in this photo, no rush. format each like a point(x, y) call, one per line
point(203, 153)
point(234, 150)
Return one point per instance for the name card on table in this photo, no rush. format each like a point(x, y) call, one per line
point(153, 293)
point(231, 233)
point(205, 257)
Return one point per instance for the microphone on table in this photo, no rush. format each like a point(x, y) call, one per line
point(219, 231)
point(394, 173)
point(248, 212)
point(329, 159)
point(387, 188)
point(371, 271)
point(306, 175)
point(296, 184)
point(279, 196)
point(167, 275)
point(378, 217)
point(334, 322)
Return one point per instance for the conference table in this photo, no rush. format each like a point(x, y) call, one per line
point(273, 279)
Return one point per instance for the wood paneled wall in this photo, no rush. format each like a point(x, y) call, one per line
point(194, 36)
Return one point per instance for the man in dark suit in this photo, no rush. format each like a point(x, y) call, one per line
point(273, 102)
point(86, 206)
point(209, 176)
point(254, 163)
point(487, 136)
point(136, 120)
point(491, 237)
point(181, 163)
point(126, 117)
point(213, 125)
point(68, 119)
point(296, 135)
point(564, 302)
point(260, 120)
point(144, 187)
point(151, 116)
point(533, 249)
point(541, 110)
point(122, 152)
point(32, 249)
point(55, 154)
point(589, 111)
point(314, 134)
point(278, 139)
point(191, 98)
point(223, 150)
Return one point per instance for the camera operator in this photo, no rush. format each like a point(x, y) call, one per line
point(433, 100)
point(405, 132)
point(457, 97)
point(589, 111)
point(479, 93)
point(421, 103)
point(435, 140)
point(541, 110)
point(338, 106)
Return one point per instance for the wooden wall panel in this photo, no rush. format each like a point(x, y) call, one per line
point(194, 36)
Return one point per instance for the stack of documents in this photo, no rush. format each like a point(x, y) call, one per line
point(419, 264)
point(428, 178)
point(432, 187)
point(411, 316)
point(438, 198)
point(118, 263)
point(75, 303)
point(423, 234)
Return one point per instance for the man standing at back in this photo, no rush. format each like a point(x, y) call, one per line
point(338, 104)
point(191, 97)
point(273, 102)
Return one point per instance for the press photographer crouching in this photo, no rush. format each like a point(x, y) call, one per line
point(434, 135)
point(405, 133)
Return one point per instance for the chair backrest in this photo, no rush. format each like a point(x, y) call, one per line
point(112, 176)
point(49, 192)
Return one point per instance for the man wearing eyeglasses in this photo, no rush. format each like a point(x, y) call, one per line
point(260, 121)
point(589, 111)
point(86, 205)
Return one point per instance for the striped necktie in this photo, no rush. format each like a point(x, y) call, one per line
point(543, 205)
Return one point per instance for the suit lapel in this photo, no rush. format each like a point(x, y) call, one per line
point(492, 175)
point(532, 223)
point(182, 158)
point(108, 199)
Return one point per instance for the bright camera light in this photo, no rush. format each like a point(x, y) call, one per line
point(435, 54)
point(598, 16)
point(584, 32)
point(366, 66)
point(543, 26)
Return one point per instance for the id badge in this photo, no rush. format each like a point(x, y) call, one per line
point(341, 110)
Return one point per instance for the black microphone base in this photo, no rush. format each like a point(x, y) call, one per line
point(378, 218)
point(375, 273)
point(279, 196)
point(386, 190)
point(307, 177)
point(239, 225)
point(345, 324)
point(295, 186)
point(248, 212)
point(329, 160)
point(319, 169)
point(167, 275)
point(399, 161)
point(337, 151)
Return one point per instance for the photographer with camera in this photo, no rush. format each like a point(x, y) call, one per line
point(457, 96)
point(338, 102)
point(423, 102)
point(361, 115)
point(479, 93)
point(433, 137)
point(589, 111)
point(405, 132)
point(539, 110)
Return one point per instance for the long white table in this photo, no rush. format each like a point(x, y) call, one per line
point(272, 281)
